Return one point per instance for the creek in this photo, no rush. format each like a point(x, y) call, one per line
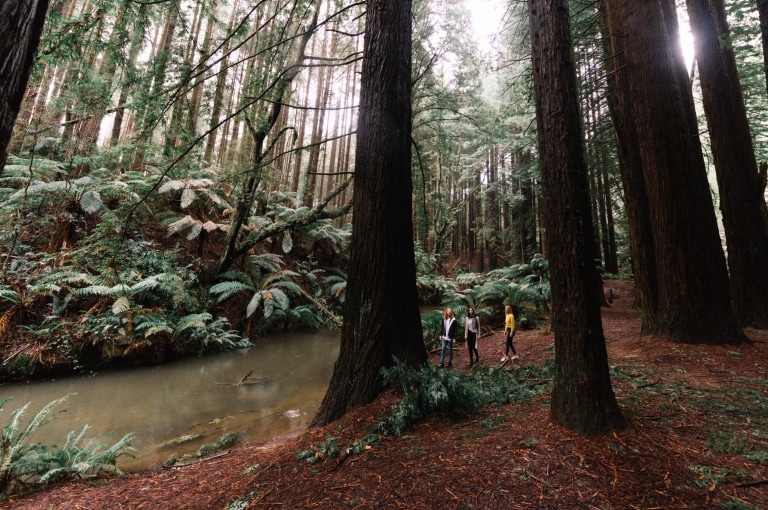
point(196, 398)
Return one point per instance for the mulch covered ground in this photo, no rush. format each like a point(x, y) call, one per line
point(697, 439)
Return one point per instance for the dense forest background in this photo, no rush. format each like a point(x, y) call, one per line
point(178, 177)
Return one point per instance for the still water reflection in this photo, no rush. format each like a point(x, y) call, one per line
point(194, 396)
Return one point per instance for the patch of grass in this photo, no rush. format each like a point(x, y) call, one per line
point(728, 442)
point(710, 476)
point(737, 504)
point(760, 457)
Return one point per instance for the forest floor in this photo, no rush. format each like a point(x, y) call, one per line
point(697, 438)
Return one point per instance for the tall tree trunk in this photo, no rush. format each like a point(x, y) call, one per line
point(491, 230)
point(611, 259)
point(22, 22)
point(741, 196)
point(582, 397)
point(762, 9)
point(382, 269)
point(150, 115)
point(636, 202)
point(694, 291)
point(472, 233)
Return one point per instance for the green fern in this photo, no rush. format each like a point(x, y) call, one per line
point(23, 462)
point(197, 320)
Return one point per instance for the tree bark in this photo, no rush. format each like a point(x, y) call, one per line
point(21, 23)
point(582, 397)
point(381, 316)
point(636, 202)
point(741, 197)
point(694, 291)
point(762, 10)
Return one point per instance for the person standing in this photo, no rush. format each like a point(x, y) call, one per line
point(471, 330)
point(447, 336)
point(509, 333)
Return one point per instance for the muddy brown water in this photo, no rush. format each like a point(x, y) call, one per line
point(197, 399)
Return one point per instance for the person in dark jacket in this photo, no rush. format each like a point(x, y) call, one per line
point(447, 336)
point(471, 330)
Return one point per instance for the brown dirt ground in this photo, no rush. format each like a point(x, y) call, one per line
point(523, 462)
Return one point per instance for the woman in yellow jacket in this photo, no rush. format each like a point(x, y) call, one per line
point(509, 333)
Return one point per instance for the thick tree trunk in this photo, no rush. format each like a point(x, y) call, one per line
point(381, 316)
point(741, 197)
point(22, 23)
point(582, 397)
point(694, 291)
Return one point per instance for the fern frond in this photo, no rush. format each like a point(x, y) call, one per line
point(195, 320)
point(93, 290)
point(224, 290)
point(267, 262)
point(42, 417)
point(280, 297)
point(253, 304)
point(8, 294)
point(183, 224)
point(148, 283)
point(156, 329)
point(237, 276)
point(121, 305)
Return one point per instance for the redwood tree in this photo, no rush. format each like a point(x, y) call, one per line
point(21, 23)
point(582, 397)
point(741, 193)
point(381, 316)
point(694, 290)
point(636, 203)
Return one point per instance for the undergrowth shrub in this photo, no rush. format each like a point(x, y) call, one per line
point(432, 391)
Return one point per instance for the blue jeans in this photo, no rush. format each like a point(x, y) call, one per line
point(447, 344)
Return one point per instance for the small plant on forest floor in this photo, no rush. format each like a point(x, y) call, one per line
point(492, 423)
point(327, 449)
point(242, 502)
point(528, 442)
point(710, 476)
